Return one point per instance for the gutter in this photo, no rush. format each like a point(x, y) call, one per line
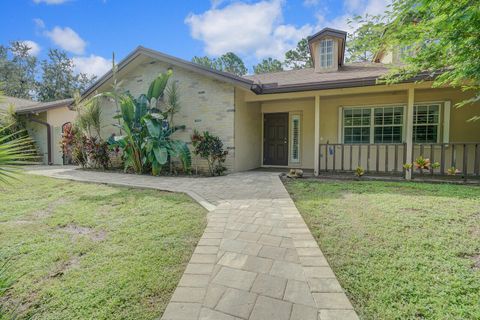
point(270, 88)
point(49, 137)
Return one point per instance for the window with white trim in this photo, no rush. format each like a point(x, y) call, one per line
point(388, 124)
point(356, 125)
point(382, 124)
point(295, 152)
point(426, 123)
point(326, 53)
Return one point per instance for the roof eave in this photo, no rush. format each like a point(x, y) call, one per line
point(351, 83)
point(45, 107)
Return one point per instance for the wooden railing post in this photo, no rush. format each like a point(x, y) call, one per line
point(409, 131)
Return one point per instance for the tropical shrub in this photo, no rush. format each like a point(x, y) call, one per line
point(83, 140)
point(359, 172)
point(452, 171)
point(422, 163)
point(97, 152)
point(146, 125)
point(210, 148)
point(407, 166)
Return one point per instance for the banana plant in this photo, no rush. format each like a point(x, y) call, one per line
point(146, 138)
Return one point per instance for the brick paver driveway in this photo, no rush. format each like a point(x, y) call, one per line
point(256, 259)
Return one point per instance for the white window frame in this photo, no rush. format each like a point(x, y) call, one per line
point(324, 54)
point(299, 138)
point(357, 126)
point(443, 123)
point(402, 125)
point(439, 122)
point(372, 120)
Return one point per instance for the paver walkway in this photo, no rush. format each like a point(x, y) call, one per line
point(256, 259)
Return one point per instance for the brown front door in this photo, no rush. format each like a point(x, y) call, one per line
point(275, 139)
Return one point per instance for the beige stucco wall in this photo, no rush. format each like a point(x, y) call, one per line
point(306, 108)
point(206, 104)
point(56, 118)
point(248, 133)
point(38, 133)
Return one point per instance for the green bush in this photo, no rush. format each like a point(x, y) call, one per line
point(210, 148)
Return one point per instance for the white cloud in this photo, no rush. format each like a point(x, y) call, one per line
point(248, 29)
point(351, 9)
point(50, 1)
point(39, 23)
point(34, 47)
point(67, 39)
point(92, 65)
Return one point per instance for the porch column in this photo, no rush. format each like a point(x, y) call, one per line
point(409, 131)
point(316, 155)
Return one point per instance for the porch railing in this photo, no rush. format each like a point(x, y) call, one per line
point(389, 158)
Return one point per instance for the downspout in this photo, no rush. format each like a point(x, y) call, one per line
point(49, 138)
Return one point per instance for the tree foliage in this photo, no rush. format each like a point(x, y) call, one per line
point(366, 40)
point(59, 80)
point(228, 62)
point(17, 70)
point(23, 76)
point(268, 65)
point(299, 57)
point(444, 35)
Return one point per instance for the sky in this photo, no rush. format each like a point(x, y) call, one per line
point(90, 30)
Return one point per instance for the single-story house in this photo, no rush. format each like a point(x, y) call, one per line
point(333, 116)
point(45, 122)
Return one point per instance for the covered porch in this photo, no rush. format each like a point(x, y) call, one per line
point(377, 128)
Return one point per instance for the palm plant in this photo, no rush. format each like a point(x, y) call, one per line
point(89, 116)
point(15, 149)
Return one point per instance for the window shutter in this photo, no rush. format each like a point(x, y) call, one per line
point(295, 139)
point(446, 121)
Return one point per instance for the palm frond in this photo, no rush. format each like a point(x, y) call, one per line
point(13, 153)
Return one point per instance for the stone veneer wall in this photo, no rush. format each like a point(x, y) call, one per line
point(206, 105)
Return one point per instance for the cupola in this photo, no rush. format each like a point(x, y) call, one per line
point(327, 48)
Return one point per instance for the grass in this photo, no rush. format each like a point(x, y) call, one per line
point(400, 250)
point(87, 251)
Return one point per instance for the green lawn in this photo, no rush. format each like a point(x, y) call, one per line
point(401, 250)
point(87, 251)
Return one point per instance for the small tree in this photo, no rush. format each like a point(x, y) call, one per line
point(210, 148)
point(228, 62)
point(444, 36)
point(299, 58)
point(366, 40)
point(268, 65)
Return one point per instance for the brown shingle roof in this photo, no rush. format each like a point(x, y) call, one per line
point(17, 102)
point(27, 106)
point(353, 71)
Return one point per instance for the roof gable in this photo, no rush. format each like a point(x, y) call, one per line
point(174, 61)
